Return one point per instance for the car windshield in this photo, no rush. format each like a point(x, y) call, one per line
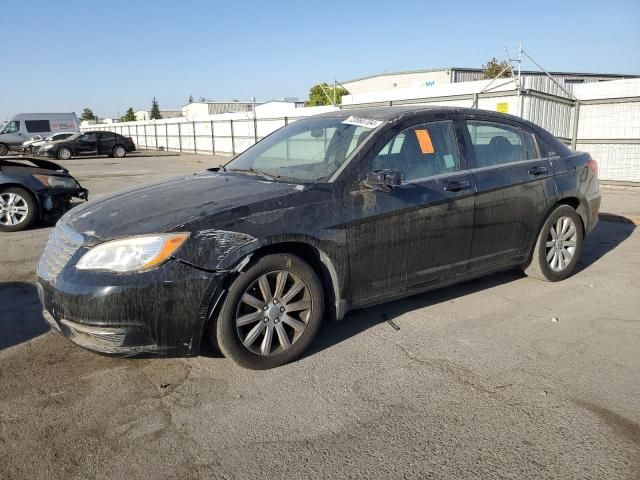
point(305, 151)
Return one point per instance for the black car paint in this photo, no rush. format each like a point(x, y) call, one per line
point(104, 144)
point(369, 245)
point(20, 171)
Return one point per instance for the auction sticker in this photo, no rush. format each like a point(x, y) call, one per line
point(363, 122)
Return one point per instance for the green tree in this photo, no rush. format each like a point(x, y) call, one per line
point(493, 68)
point(87, 114)
point(190, 98)
point(129, 116)
point(154, 114)
point(323, 94)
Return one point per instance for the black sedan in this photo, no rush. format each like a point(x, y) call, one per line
point(328, 214)
point(89, 143)
point(32, 189)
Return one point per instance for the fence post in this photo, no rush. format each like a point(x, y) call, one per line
point(233, 143)
point(179, 137)
point(255, 129)
point(155, 133)
point(576, 117)
point(137, 136)
point(146, 145)
point(195, 147)
point(213, 140)
point(166, 135)
point(286, 122)
point(129, 130)
point(475, 100)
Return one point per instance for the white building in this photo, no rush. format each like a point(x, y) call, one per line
point(425, 79)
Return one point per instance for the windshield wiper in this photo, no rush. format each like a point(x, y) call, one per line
point(255, 172)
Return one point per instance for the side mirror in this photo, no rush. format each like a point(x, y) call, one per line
point(384, 178)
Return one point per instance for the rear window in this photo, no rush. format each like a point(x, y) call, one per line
point(37, 126)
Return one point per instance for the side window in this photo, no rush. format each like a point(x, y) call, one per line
point(37, 126)
point(106, 136)
point(421, 151)
point(496, 143)
point(89, 137)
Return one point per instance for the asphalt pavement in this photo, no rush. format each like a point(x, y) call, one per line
point(502, 377)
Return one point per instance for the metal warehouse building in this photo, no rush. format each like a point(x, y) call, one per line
point(442, 76)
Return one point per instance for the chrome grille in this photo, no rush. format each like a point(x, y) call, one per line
point(62, 244)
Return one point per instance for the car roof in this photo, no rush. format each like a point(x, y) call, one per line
point(395, 113)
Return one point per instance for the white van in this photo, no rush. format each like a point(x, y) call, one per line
point(26, 125)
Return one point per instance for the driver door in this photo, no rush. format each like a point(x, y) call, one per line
point(87, 144)
point(419, 231)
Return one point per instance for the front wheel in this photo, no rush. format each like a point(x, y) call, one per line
point(3, 149)
point(18, 209)
point(64, 153)
point(558, 246)
point(271, 314)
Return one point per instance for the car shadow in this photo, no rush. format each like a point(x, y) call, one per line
point(20, 314)
point(602, 240)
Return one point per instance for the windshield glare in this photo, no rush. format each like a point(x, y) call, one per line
point(306, 151)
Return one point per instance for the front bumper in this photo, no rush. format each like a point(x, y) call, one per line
point(161, 312)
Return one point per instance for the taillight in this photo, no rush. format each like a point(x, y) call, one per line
point(593, 166)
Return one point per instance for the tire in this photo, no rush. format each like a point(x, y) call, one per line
point(119, 151)
point(253, 322)
point(3, 149)
point(555, 258)
point(18, 209)
point(64, 153)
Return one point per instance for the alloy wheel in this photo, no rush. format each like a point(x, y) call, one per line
point(273, 313)
point(119, 152)
point(64, 154)
point(561, 243)
point(13, 209)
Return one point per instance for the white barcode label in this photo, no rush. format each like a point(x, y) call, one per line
point(363, 122)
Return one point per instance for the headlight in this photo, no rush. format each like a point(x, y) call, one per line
point(56, 182)
point(132, 254)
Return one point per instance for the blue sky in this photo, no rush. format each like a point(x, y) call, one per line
point(109, 55)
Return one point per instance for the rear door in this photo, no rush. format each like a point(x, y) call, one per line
point(515, 188)
point(87, 144)
point(106, 142)
point(421, 230)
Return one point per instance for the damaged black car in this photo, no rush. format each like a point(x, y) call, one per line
point(32, 189)
point(328, 214)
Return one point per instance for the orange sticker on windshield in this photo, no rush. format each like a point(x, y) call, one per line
point(424, 139)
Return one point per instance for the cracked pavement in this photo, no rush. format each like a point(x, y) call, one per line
point(478, 382)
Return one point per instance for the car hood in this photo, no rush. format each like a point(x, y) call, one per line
point(170, 204)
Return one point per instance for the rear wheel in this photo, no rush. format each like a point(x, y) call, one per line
point(64, 153)
point(119, 151)
point(3, 149)
point(18, 209)
point(271, 314)
point(558, 246)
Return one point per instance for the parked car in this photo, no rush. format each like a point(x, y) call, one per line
point(25, 125)
point(328, 214)
point(89, 143)
point(33, 189)
point(33, 145)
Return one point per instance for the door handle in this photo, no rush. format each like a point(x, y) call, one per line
point(535, 171)
point(457, 186)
